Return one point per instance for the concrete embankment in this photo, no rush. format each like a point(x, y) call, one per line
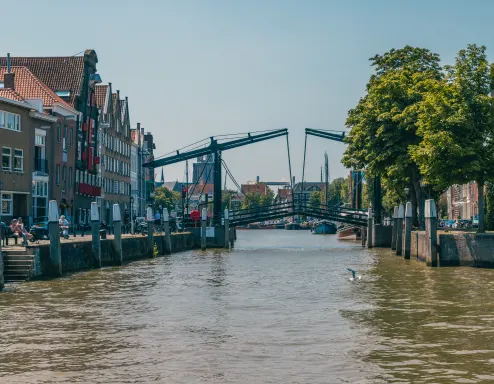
point(77, 255)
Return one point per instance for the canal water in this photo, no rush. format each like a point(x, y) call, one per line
point(279, 308)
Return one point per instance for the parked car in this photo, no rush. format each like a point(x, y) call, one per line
point(448, 223)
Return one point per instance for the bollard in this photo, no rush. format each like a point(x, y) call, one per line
point(117, 232)
point(2, 279)
point(370, 223)
point(227, 229)
point(149, 215)
point(54, 234)
point(204, 218)
point(399, 229)
point(431, 233)
point(393, 232)
point(95, 236)
point(407, 233)
point(166, 226)
point(232, 237)
point(363, 235)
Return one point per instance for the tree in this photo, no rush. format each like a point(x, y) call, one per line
point(489, 198)
point(267, 199)
point(315, 199)
point(251, 201)
point(455, 124)
point(383, 125)
point(226, 197)
point(164, 198)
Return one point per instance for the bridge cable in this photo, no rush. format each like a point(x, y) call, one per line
point(233, 178)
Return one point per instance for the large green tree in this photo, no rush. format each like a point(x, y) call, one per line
point(315, 199)
point(456, 126)
point(383, 125)
point(165, 198)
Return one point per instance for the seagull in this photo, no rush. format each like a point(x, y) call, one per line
point(354, 275)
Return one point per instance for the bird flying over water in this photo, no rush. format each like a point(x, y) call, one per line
point(354, 275)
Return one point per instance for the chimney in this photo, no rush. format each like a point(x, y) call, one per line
point(293, 181)
point(258, 179)
point(8, 81)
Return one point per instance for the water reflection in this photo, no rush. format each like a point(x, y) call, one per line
point(278, 308)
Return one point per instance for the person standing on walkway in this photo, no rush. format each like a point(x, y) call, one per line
point(157, 218)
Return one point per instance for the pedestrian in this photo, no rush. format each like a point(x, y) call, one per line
point(22, 231)
point(157, 217)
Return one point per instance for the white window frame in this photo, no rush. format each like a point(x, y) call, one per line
point(10, 206)
point(21, 157)
point(9, 168)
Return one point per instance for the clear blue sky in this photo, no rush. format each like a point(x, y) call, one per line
point(192, 69)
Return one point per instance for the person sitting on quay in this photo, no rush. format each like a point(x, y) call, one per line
point(21, 230)
point(157, 218)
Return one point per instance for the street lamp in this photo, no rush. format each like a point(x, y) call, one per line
point(407, 190)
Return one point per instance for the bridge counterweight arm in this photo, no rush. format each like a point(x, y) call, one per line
point(215, 146)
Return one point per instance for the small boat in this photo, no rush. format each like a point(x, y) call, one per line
point(324, 227)
point(348, 232)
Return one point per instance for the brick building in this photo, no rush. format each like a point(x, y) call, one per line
point(462, 201)
point(54, 151)
point(115, 149)
point(20, 124)
point(73, 79)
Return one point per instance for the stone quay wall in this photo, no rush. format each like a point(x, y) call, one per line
point(77, 255)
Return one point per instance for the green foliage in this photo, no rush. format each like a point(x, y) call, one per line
point(165, 198)
point(226, 197)
point(456, 126)
point(315, 199)
point(489, 198)
point(383, 125)
point(155, 250)
point(255, 200)
point(442, 206)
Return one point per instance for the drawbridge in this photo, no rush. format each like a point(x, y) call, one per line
point(216, 145)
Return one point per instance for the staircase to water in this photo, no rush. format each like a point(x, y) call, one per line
point(18, 265)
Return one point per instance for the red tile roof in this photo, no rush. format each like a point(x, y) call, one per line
point(30, 87)
point(100, 92)
point(7, 93)
point(259, 188)
point(58, 73)
point(204, 188)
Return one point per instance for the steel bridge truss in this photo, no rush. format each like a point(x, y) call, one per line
point(282, 210)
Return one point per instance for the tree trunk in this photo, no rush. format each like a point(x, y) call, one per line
point(481, 229)
point(413, 199)
point(420, 198)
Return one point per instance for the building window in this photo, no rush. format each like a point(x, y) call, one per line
point(64, 173)
point(59, 132)
point(6, 159)
point(57, 174)
point(70, 177)
point(10, 121)
point(40, 198)
point(71, 137)
point(76, 175)
point(6, 204)
point(18, 160)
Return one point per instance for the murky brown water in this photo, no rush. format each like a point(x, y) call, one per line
point(278, 309)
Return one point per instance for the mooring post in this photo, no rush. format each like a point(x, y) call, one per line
point(407, 235)
point(431, 233)
point(394, 230)
point(399, 229)
point(150, 218)
point(227, 229)
point(363, 235)
point(2, 279)
point(95, 237)
point(204, 218)
point(117, 234)
point(54, 234)
point(370, 223)
point(168, 234)
point(232, 237)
